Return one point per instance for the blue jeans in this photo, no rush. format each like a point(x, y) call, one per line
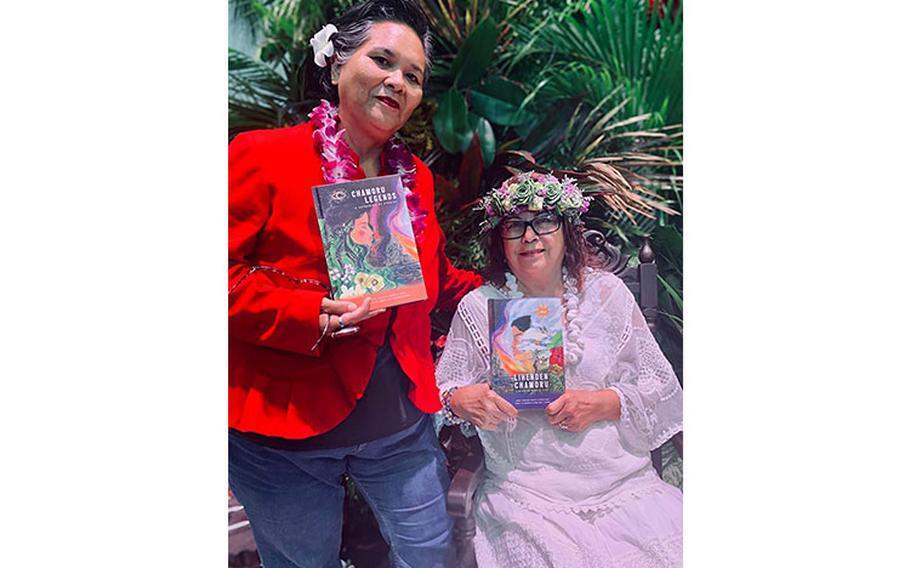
point(294, 499)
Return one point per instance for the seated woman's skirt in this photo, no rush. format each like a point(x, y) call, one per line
point(638, 526)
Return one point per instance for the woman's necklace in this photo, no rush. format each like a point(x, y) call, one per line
point(339, 162)
point(573, 346)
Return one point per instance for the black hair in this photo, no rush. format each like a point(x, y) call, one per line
point(576, 257)
point(522, 323)
point(354, 27)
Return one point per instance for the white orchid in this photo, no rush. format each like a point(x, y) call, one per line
point(323, 48)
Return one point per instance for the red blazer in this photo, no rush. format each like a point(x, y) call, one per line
point(276, 385)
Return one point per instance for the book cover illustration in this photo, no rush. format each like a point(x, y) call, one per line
point(526, 350)
point(369, 242)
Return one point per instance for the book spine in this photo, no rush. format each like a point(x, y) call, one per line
point(317, 203)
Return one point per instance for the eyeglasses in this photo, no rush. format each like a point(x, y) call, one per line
point(543, 224)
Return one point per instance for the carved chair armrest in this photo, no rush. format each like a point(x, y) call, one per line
point(677, 440)
point(460, 504)
point(460, 498)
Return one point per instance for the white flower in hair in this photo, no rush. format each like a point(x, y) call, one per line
point(323, 48)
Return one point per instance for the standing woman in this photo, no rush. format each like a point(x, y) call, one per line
point(319, 388)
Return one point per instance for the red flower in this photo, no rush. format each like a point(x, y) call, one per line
point(556, 357)
point(661, 5)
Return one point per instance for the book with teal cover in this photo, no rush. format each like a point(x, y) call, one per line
point(369, 242)
point(526, 350)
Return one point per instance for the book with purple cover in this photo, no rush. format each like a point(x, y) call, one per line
point(526, 350)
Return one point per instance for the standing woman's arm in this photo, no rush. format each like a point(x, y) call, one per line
point(264, 307)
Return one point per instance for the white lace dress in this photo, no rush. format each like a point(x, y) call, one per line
point(589, 499)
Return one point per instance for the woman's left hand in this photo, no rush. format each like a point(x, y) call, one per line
point(576, 410)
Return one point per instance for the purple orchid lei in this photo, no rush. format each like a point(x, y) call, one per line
point(339, 162)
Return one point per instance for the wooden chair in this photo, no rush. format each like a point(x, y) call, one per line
point(465, 455)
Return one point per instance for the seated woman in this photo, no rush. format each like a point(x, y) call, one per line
point(571, 485)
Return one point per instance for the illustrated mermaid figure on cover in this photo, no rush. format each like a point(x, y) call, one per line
point(374, 250)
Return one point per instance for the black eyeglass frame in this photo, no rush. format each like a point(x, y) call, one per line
point(530, 223)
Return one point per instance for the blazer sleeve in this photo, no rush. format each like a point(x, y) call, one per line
point(264, 307)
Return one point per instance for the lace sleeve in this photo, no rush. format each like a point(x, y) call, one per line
point(464, 360)
point(651, 399)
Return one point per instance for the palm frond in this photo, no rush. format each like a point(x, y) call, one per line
point(250, 78)
point(620, 44)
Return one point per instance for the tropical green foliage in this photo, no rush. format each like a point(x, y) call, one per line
point(591, 88)
point(619, 44)
point(271, 89)
point(588, 87)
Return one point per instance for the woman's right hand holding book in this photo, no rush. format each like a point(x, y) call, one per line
point(481, 406)
point(338, 315)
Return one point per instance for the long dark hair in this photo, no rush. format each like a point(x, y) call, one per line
point(354, 27)
point(577, 256)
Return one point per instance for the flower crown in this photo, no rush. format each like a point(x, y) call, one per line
point(323, 48)
point(532, 191)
